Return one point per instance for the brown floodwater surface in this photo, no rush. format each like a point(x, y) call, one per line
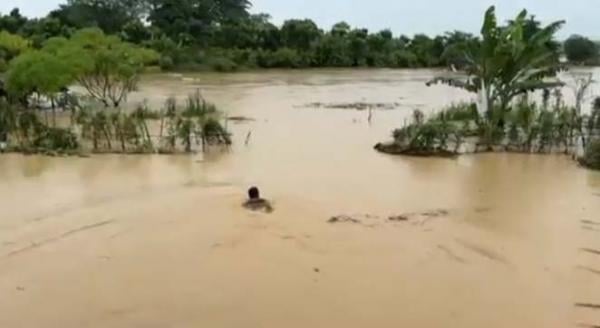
point(494, 240)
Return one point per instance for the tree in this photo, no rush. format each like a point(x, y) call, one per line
point(457, 43)
point(332, 51)
point(359, 48)
point(340, 29)
point(193, 20)
point(12, 22)
point(109, 15)
point(504, 64)
point(39, 30)
point(38, 72)
point(425, 49)
point(300, 34)
point(580, 49)
point(105, 66)
point(253, 32)
point(11, 45)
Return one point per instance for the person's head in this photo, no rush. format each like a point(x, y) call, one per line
point(253, 193)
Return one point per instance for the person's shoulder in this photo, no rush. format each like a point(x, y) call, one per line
point(258, 204)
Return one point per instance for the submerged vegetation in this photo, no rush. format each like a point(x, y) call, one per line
point(175, 128)
point(527, 127)
point(591, 158)
point(503, 70)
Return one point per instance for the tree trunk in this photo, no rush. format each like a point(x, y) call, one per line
point(107, 136)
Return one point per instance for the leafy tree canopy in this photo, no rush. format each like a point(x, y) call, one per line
point(38, 71)
point(580, 49)
point(506, 63)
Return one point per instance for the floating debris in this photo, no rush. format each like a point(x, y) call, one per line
point(590, 270)
point(483, 209)
point(360, 106)
point(398, 218)
point(436, 213)
point(591, 251)
point(590, 222)
point(343, 219)
point(588, 306)
point(585, 325)
point(416, 218)
point(240, 119)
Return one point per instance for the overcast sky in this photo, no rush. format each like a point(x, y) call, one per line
point(402, 16)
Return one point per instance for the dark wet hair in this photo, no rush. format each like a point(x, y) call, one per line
point(253, 193)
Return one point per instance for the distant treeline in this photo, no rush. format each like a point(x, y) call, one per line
point(222, 35)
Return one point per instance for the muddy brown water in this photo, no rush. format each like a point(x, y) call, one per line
point(491, 240)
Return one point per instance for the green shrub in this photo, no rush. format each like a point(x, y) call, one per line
point(214, 132)
point(405, 59)
point(197, 106)
point(56, 139)
point(460, 112)
point(166, 63)
point(222, 64)
point(431, 136)
point(282, 58)
point(591, 157)
point(3, 65)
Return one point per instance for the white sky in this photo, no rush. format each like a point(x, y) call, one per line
point(402, 16)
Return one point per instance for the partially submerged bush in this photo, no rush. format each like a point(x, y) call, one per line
point(591, 157)
point(56, 139)
point(196, 123)
point(222, 64)
point(214, 132)
point(437, 136)
point(462, 111)
point(524, 127)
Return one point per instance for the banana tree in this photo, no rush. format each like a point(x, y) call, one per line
point(506, 63)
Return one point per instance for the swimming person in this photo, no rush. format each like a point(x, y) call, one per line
point(255, 203)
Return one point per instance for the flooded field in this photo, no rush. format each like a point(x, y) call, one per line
point(494, 240)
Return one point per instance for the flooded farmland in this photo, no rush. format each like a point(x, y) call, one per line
point(493, 240)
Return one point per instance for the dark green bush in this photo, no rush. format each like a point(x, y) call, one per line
point(56, 139)
point(222, 64)
point(429, 136)
point(460, 112)
point(166, 63)
point(405, 59)
point(3, 65)
point(284, 57)
point(591, 157)
point(215, 133)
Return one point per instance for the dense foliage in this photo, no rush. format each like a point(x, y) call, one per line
point(582, 50)
point(224, 35)
point(591, 158)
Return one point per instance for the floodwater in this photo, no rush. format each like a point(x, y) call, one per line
point(157, 241)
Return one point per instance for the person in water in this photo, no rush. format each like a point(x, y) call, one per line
point(255, 203)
